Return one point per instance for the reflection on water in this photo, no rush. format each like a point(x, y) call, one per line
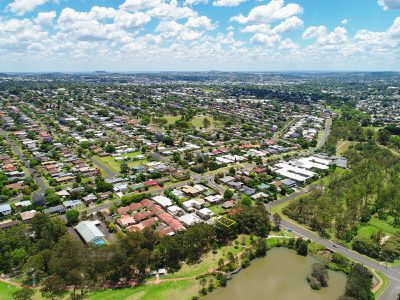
point(281, 275)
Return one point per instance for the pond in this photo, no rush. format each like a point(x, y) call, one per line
point(281, 275)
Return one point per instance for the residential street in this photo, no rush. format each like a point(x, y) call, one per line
point(31, 171)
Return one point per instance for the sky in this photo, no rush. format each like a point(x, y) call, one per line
point(199, 35)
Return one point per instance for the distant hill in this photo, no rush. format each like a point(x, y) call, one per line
point(100, 72)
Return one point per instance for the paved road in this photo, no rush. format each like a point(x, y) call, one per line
point(327, 131)
point(110, 173)
point(32, 172)
point(392, 273)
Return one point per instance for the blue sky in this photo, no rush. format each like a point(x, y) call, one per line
point(232, 35)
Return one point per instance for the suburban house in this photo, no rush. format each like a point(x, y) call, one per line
point(90, 233)
point(5, 210)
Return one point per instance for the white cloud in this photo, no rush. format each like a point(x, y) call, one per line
point(195, 2)
point(228, 3)
point(84, 26)
point(127, 20)
point(320, 33)
point(19, 35)
point(314, 32)
point(200, 22)
point(288, 24)
point(394, 30)
point(344, 22)
point(261, 28)
point(171, 10)
point(288, 44)
point(45, 18)
point(135, 5)
point(273, 11)
point(389, 4)
point(268, 40)
point(101, 13)
point(21, 7)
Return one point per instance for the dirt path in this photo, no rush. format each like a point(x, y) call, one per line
point(16, 284)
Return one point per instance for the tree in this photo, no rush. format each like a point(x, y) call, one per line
point(53, 287)
point(383, 136)
point(246, 201)
point(72, 216)
point(277, 220)
point(302, 247)
point(67, 265)
point(221, 263)
point(232, 171)
point(124, 167)
point(51, 198)
point(318, 277)
point(169, 141)
point(359, 284)
point(23, 294)
point(206, 123)
point(110, 148)
point(228, 194)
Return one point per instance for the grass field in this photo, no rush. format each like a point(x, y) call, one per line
point(172, 119)
point(217, 209)
point(375, 225)
point(196, 121)
point(373, 128)
point(343, 146)
point(114, 165)
point(6, 291)
point(165, 290)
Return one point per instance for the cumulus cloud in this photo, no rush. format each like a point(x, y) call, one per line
point(45, 18)
point(200, 22)
point(195, 2)
point(21, 7)
point(171, 10)
point(183, 36)
point(288, 24)
point(288, 44)
point(320, 33)
point(128, 20)
point(389, 4)
point(135, 5)
point(228, 3)
point(271, 12)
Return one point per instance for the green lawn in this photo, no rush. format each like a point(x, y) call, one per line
point(217, 209)
point(132, 154)
point(375, 225)
point(196, 121)
point(6, 291)
point(114, 165)
point(343, 146)
point(385, 283)
point(373, 128)
point(172, 119)
point(177, 290)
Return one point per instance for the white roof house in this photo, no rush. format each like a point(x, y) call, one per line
point(90, 233)
point(189, 219)
point(5, 209)
point(214, 199)
point(191, 204)
point(205, 213)
point(162, 200)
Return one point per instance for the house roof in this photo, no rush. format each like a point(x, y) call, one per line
point(88, 231)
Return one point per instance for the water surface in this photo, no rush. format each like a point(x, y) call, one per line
point(281, 275)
